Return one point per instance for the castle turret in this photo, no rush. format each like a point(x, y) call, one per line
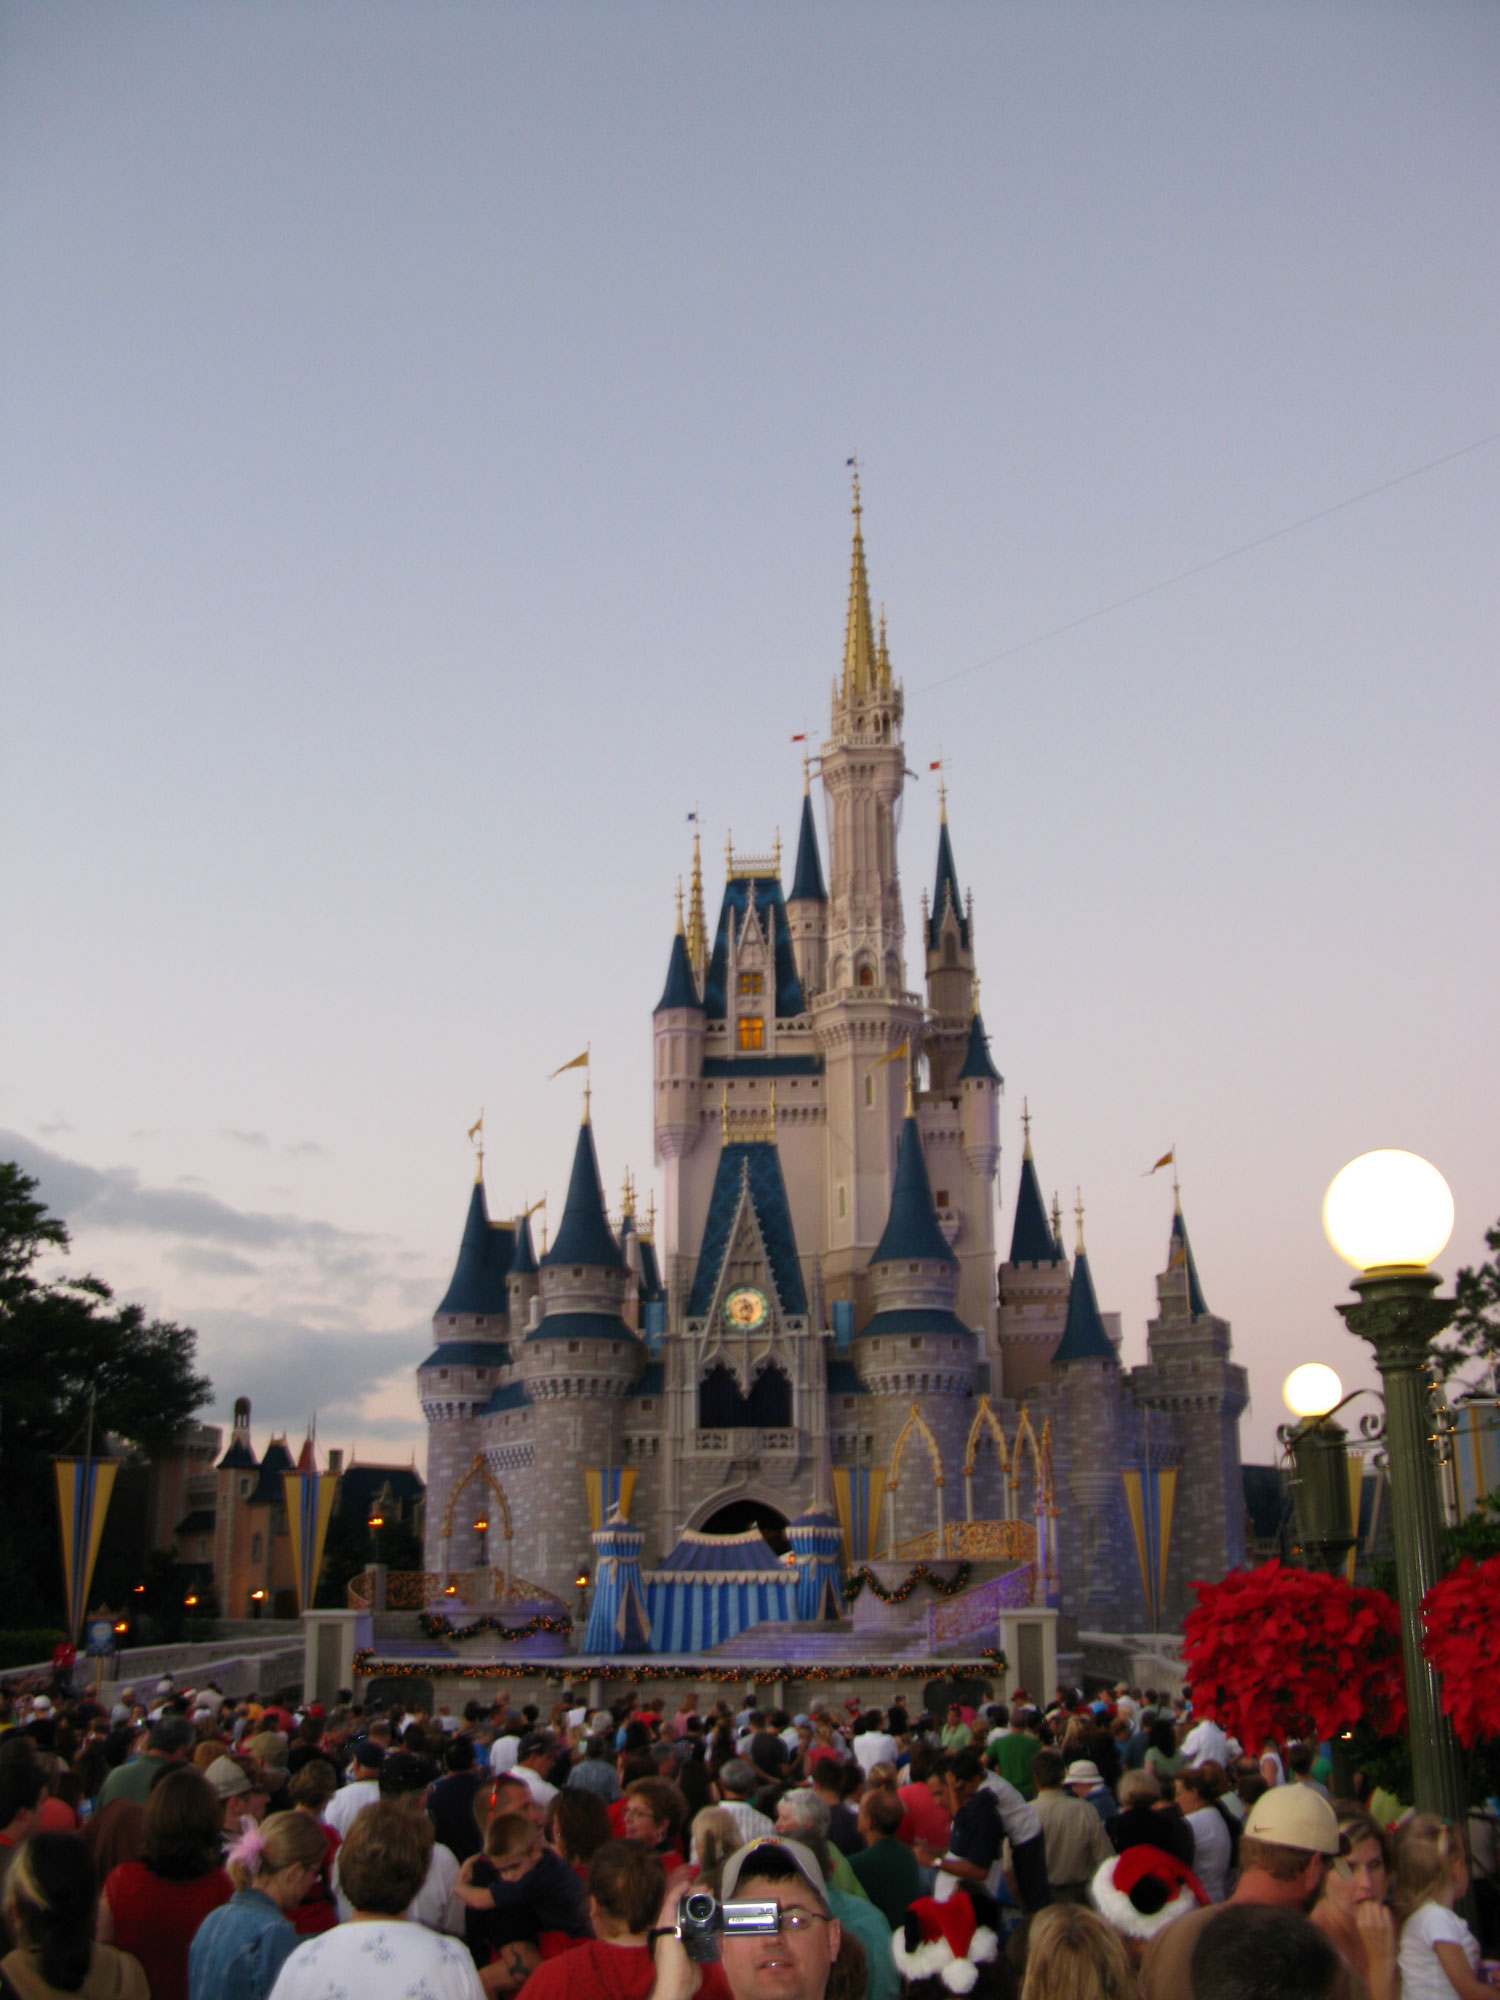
point(471, 1349)
point(949, 937)
point(1086, 1369)
point(1192, 1394)
point(1034, 1287)
point(915, 1355)
point(863, 1012)
point(576, 1365)
point(521, 1279)
point(807, 905)
point(678, 1029)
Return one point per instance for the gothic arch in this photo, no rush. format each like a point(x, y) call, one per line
point(478, 1470)
point(986, 1420)
point(918, 1423)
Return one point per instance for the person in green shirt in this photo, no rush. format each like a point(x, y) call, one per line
point(169, 1742)
point(1014, 1753)
point(886, 1867)
point(957, 1734)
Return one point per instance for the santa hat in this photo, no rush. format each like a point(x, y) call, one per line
point(1144, 1889)
point(944, 1940)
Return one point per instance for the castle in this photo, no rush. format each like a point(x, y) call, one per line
point(830, 1324)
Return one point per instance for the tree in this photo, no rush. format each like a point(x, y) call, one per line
point(60, 1341)
point(1474, 1333)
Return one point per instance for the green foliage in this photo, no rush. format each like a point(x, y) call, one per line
point(1474, 1332)
point(352, 1546)
point(60, 1341)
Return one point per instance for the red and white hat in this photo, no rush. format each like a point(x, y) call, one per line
point(944, 1940)
point(1144, 1889)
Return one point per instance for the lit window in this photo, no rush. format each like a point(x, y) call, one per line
point(941, 1197)
point(866, 975)
point(752, 982)
point(752, 1031)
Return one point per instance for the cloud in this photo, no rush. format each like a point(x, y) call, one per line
point(205, 1261)
point(244, 1138)
point(56, 1128)
point(360, 1381)
point(115, 1198)
point(307, 1149)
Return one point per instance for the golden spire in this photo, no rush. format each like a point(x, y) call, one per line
point(974, 996)
point(697, 934)
point(627, 1196)
point(1056, 1220)
point(679, 906)
point(778, 853)
point(806, 777)
point(724, 1112)
point(911, 1101)
point(882, 656)
point(1078, 1211)
point(478, 1145)
point(1025, 1118)
point(649, 1232)
point(859, 634)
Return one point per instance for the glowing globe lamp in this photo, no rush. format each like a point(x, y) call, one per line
point(1388, 1211)
point(1312, 1390)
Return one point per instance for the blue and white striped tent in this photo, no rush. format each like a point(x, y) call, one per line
point(618, 1619)
point(712, 1587)
point(817, 1542)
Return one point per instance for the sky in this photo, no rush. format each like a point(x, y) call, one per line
point(423, 441)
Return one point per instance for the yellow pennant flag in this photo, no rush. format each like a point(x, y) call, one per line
point(1164, 1161)
point(578, 1062)
point(898, 1054)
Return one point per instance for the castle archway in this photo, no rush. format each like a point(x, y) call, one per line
point(735, 1517)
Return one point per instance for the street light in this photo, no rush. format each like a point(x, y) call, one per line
point(1389, 1214)
point(1320, 1460)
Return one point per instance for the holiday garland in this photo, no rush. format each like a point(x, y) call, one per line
point(367, 1666)
point(857, 1579)
point(434, 1625)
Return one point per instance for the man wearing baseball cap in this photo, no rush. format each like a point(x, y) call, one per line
point(792, 1963)
point(1290, 1835)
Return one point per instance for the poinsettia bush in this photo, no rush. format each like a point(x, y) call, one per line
point(1461, 1621)
point(1280, 1653)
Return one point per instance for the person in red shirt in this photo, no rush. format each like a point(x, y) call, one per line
point(626, 1886)
point(152, 1907)
point(655, 1813)
point(926, 1818)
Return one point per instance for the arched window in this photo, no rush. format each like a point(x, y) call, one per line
point(770, 1407)
point(721, 1406)
point(867, 975)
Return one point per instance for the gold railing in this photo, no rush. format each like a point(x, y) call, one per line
point(968, 1541)
point(415, 1589)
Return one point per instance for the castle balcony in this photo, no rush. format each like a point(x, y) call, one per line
point(779, 1446)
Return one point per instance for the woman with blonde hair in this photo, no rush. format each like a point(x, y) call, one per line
point(51, 1897)
point(1073, 1955)
point(242, 1946)
point(715, 1837)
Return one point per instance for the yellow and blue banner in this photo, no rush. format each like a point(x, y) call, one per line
point(609, 1487)
point(1149, 1498)
point(857, 1495)
point(83, 1489)
point(309, 1509)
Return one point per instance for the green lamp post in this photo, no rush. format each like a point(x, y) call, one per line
point(1319, 1451)
point(1389, 1214)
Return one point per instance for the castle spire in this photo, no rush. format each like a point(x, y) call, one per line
point(1084, 1337)
point(859, 633)
point(807, 877)
point(945, 893)
point(912, 1229)
point(1031, 1241)
point(584, 1235)
point(697, 930)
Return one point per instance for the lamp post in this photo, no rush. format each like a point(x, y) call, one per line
point(1389, 1214)
point(1320, 1462)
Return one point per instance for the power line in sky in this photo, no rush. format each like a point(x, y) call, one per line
point(1212, 562)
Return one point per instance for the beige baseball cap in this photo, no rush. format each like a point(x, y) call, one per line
point(1294, 1816)
point(743, 1862)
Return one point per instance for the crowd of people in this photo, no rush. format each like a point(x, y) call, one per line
point(187, 1847)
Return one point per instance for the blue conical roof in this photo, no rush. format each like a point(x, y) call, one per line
point(807, 881)
point(478, 1282)
point(680, 989)
point(1031, 1240)
point(911, 1228)
point(1084, 1338)
point(1180, 1252)
point(584, 1235)
point(523, 1262)
point(977, 1056)
point(945, 891)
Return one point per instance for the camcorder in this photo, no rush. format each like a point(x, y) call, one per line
point(703, 1922)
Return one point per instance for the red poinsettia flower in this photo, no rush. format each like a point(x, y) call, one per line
point(1461, 1616)
point(1275, 1653)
